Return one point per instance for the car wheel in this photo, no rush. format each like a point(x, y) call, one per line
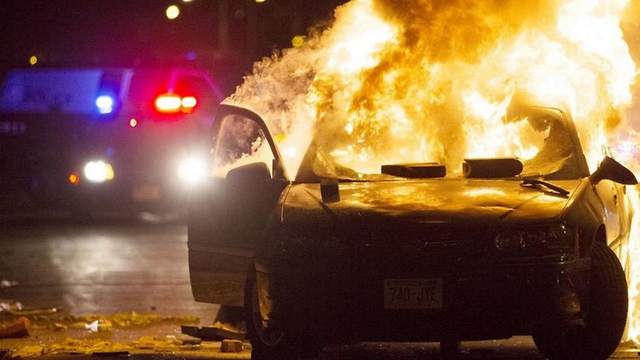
point(605, 321)
point(267, 343)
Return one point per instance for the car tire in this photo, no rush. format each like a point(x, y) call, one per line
point(606, 318)
point(266, 344)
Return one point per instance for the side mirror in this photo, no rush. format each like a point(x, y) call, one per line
point(249, 174)
point(609, 169)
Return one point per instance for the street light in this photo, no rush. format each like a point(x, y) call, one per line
point(298, 41)
point(172, 12)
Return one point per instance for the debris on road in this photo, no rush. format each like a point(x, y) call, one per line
point(49, 331)
point(54, 319)
point(133, 318)
point(28, 351)
point(34, 311)
point(231, 346)
point(217, 331)
point(98, 325)
point(144, 345)
point(188, 340)
point(9, 306)
point(16, 329)
point(15, 308)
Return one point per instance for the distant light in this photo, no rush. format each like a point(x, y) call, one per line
point(98, 171)
point(187, 1)
point(172, 12)
point(33, 60)
point(133, 122)
point(298, 41)
point(74, 179)
point(261, 1)
point(105, 104)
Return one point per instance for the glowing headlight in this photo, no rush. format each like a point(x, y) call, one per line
point(105, 104)
point(98, 171)
point(192, 170)
point(536, 241)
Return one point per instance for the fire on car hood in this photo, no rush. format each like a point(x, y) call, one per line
point(427, 201)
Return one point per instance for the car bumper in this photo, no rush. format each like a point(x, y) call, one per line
point(479, 302)
point(53, 190)
point(125, 194)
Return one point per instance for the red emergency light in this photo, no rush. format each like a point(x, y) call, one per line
point(175, 104)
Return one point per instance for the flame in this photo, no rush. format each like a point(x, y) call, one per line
point(431, 80)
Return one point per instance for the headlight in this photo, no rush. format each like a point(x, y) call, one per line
point(536, 241)
point(192, 170)
point(98, 171)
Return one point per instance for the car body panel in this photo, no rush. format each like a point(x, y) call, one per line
point(432, 200)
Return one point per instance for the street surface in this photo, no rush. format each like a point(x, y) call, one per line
point(110, 266)
point(100, 268)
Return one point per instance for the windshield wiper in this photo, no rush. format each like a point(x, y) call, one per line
point(537, 183)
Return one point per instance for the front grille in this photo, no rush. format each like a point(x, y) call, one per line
point(431, 246)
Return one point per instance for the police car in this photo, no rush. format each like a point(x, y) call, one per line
point(94, 138)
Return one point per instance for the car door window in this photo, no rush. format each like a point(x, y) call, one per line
point(240, 141)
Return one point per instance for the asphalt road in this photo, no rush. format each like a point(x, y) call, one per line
point(121, 266)
point(103, 267)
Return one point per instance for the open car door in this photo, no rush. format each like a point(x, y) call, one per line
point(228, 216)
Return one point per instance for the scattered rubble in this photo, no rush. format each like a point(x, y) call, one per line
point(46, 332)
point(15, 308)
point(16, 329)
point(28, 351)
point(54, 319)
point(231, 346)
point(9, 306)
point(146, 344)
point(217, 331)
point(130, 319)
point(99, 325)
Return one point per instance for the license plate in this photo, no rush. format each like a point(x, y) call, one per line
point(413, 293)
point(146, 192)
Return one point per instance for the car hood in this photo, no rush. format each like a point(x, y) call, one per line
point(432, 201)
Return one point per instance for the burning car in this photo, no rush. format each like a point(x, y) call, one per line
point(502, 247)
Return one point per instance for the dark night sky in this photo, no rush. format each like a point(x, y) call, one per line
point(123, 32)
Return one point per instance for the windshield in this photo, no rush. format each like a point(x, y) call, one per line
point(541, 140)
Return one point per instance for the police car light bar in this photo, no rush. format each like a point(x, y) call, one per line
point(173, 104)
